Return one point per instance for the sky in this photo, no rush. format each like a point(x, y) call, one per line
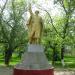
point(46, 4)
point(2, 2)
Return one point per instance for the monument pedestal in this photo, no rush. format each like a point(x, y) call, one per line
point(34, 62)
point(33, 72)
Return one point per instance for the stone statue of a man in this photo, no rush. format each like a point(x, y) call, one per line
point(35, 27)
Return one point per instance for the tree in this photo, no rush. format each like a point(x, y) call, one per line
point(12, 29)
point(68, 7)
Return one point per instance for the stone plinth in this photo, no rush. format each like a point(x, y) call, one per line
point(34, 62)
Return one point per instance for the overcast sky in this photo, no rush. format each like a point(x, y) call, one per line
point(46, 4)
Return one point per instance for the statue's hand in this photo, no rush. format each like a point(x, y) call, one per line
point(29, 5)
point(30, 10)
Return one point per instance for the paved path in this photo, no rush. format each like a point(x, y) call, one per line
point(9, 71)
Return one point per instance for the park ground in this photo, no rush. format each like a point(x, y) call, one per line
point(68, 69)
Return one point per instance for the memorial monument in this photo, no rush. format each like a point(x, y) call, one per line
point(34, 61)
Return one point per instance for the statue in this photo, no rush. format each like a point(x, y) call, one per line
point(34, 61)
point(35, 27)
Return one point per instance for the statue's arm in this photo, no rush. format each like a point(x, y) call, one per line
point(30, 10)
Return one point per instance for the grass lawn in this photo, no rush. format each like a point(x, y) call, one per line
point(69, 62)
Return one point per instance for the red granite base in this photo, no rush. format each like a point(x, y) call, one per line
point(33, 72)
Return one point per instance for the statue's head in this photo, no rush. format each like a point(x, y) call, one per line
point(36, 12)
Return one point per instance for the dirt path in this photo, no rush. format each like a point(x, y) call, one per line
point(9, 71)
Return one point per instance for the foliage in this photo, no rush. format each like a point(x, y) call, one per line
point(12, 29)
point(59, 31)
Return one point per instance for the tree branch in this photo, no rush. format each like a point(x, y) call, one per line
point(7, 22)
point(1, 41)
point(4, 34)
point(4, 6)
point(50, 19)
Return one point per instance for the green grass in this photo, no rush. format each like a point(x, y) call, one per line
point(15, 60)
point(69, 62)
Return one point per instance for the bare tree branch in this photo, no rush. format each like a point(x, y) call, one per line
point(7, 22)
point(4, 34)
point(4, 6)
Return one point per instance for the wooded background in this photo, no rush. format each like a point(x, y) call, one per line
point(58, 35)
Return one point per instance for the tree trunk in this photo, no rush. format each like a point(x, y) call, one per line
point(62, 55)
point(53, 60)
point(8, 55)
